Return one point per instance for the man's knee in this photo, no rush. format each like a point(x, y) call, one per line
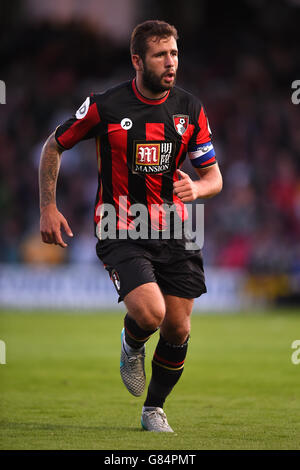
point(176, 332)
point(150, 318)
point(147, 306)
point(176, 335)
point(177, 323)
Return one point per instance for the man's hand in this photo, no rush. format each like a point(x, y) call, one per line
point(208, 185)
point(185, 188)
point(50, 225)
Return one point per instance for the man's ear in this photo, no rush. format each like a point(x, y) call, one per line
point(137, 63)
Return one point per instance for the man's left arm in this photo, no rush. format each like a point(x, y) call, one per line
point(209, 184)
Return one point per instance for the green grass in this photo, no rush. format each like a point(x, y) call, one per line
point(61, 389)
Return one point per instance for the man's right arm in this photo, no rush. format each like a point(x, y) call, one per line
point(51, 219)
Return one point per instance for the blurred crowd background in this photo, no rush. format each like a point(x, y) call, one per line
point(239, 59)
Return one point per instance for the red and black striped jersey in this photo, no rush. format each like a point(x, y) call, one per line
point(140, 143)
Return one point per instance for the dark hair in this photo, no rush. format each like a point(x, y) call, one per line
point(143, 31)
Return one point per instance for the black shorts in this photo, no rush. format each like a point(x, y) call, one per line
point(131, 263)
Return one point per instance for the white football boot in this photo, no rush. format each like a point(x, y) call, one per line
point(132, 369)
point(154, 419)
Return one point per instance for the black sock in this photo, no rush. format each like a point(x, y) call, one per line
point(167, 367)
point(135, 336)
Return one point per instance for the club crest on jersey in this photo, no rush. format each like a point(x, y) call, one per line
point(152, 156)
point(181, 122)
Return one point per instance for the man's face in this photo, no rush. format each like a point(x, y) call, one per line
point(160, 64)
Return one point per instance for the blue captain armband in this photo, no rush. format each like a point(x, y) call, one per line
point(202, 155)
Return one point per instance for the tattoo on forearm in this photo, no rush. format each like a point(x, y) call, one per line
point(48, 172)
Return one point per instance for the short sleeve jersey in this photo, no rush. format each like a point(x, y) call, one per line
point(140, 143)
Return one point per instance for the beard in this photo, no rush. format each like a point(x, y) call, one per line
point(154, 82)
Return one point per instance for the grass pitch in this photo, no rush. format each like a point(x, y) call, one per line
point(61, 389)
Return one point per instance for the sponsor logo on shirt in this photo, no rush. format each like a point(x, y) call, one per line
point(152, 157)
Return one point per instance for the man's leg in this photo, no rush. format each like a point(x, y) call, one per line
point(146, 306)
point(176, 326)
point(168, 361)
point(146, 311)
point(170, 353)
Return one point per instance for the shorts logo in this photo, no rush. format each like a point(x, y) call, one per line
point(126, 124)
point(115, 279)
point(152, 157)
point(82, 111)
point(181, 122)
